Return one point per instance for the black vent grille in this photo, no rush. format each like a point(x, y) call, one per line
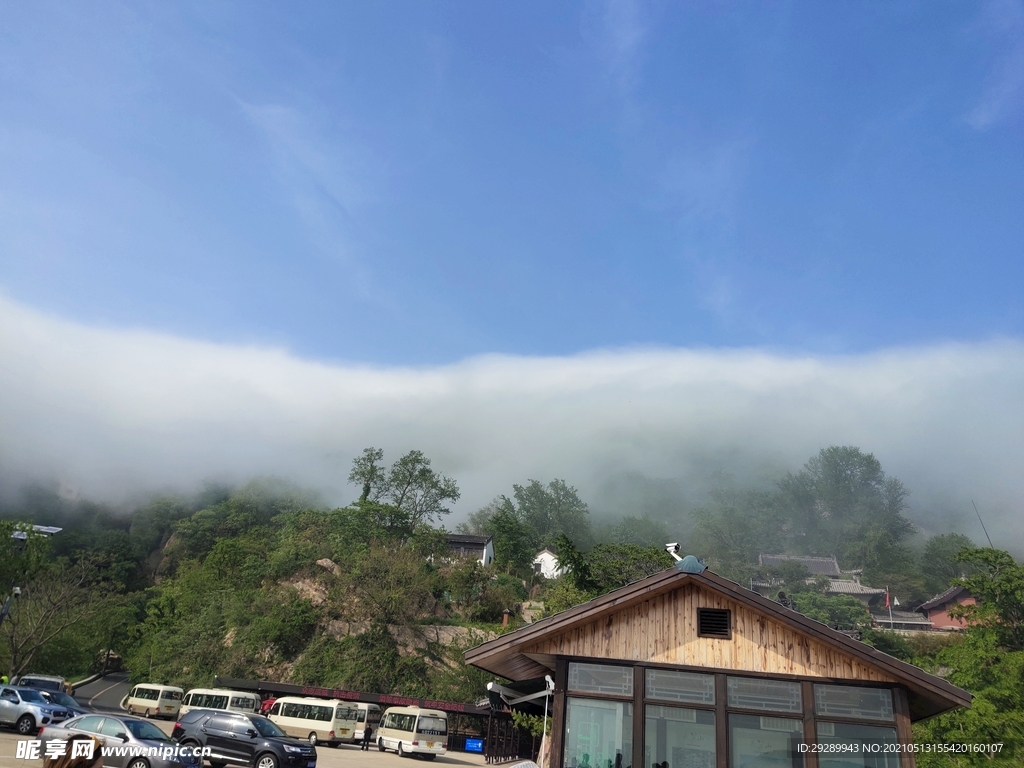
point(714, 622)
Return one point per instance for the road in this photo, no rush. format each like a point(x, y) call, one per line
point(105, 694)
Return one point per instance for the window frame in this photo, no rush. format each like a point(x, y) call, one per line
point(721, 709)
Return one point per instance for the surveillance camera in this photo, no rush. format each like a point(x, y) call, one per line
point(673, 547)
point(16, 591)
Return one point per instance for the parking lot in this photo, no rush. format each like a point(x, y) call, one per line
point(103, 696)
point(327, 757)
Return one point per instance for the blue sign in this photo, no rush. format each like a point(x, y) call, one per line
point(474, 745)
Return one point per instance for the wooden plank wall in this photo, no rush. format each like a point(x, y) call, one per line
point(664, 630)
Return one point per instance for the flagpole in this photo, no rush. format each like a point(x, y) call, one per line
point(888, 604)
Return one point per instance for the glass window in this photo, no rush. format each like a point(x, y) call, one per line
point(143, 730)
point(601, 678)
point(679, 738)
point(680, 686)
point(765, 742)
point(432, 725)
point(859, 736)
point(854, 702)
point(171, 695)
point(772, 695)
point(266, 727)
point(112, 728)
point(89, 724)
point(220, 723)
point(598, 734)
point(243, 702)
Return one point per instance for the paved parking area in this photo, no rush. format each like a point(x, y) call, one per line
point(327, 757)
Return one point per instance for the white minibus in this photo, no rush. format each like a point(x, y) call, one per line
point(220, 698)
point(368, 713)
point(413, 731)
point(327, 721)
point(153, 700)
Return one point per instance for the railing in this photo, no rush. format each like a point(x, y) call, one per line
point(505, 742)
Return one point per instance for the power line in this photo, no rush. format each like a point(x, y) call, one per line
point(982, 525)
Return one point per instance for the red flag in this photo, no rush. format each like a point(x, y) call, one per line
point(886, 597)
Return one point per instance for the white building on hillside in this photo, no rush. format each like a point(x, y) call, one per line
point(546, 564)
point(465, 546)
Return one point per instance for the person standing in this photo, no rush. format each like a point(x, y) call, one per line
point(367, 735)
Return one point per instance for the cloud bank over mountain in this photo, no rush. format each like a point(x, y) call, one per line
point(115, 413)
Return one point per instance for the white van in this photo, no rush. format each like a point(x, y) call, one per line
point(153, 700)
point(220, 698)
point(326, 721)
point(368, 713)
point(413, 731)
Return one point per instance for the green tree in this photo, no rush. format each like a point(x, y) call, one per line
point(615, 565)
point(998, 585)
point(575, 564)
point(836, 611)
point(409, 485)
point(553, 510)
point(390, 585)
point(735, 529)
point(641, 531)
point(57, 598)
point(514, 548)
point(989, 662)
point(995, 677)
point(939, 564)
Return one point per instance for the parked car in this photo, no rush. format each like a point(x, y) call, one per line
point(27, 710)
point(46, 683)
point(122, 731)
point(61, 699)
point(242, 739)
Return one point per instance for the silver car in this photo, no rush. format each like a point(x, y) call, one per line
point(27, 710)
point(127, 732)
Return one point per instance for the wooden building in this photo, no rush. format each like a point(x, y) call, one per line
point(686, 669)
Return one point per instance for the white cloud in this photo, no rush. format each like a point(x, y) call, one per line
point(115, 411)
point(1003, 23)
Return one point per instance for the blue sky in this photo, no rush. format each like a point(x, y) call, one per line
point(417, 183)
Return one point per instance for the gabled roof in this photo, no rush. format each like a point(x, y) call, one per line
point(509, 655)
point(843, 587)
point(816, 566)
point(467, 539)
point(548, 551)
point(944, 598)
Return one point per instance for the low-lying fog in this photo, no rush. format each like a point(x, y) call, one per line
point(118, 413)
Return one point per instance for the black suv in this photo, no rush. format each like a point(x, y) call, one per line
point(241, 739)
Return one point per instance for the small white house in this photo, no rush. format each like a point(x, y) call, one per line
point(479, 548)
point(546, 564)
